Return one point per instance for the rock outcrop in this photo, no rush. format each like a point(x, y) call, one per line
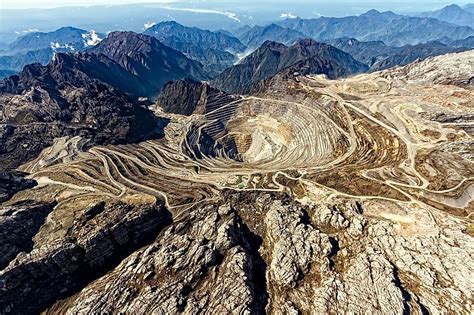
point(11, 183)
point(256, 252)
point(71, 96)
point(187, 97)
point(102, 237)
point(18, 224)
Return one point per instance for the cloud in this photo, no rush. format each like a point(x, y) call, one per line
point(31, 30)
point(91, 38)
point(149, 24)
point(288, 16)
point(230, 15)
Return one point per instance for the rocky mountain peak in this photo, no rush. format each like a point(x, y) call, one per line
point(272, 57)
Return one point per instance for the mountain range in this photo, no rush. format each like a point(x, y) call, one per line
point(379, 56)
point(306, 56)
point(452, 14)
point(40, 46)
point(397, 40)
point(71, 96)
point(150, 63)
point(215, 50)
point(391, 28)
point(94, 94)
point(255, 36)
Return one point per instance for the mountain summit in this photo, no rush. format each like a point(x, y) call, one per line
point(215, 50)
point(452, 14)
point(305, 55)
point(152, 63)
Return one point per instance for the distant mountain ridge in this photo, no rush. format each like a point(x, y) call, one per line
point(215, 50)
point(452, 14)
point(255, 36)
point(379, 56)
point(391, 28)
point(305, 55)
point(68, 38)
point(40, 46)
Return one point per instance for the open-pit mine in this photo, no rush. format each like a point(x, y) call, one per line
point(308, 195)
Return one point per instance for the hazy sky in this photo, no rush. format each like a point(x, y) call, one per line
point(415, 4)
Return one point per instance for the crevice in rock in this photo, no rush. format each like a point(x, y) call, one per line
point(252, 243)
point(334, 250)
point(407, 298)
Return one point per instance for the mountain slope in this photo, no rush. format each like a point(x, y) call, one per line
point(452, 14)
point(193, 35)
point(379, 56)
point(71, 96)
point(465, 43)
point(40, 46)
point(150, 62)
point(215, 50)
point(254, 37)
point(187, 97)
point(392, 29)
point(70, 38)
point(18, 61)
point(305, 55)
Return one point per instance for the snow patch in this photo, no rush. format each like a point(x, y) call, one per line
point(91, 38)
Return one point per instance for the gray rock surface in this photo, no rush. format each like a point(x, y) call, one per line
point(34, 280)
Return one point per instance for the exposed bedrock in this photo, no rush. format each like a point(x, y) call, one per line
point(18, 224)
point(255, 252)
point(104, 235)
point(208, 263)
point(11, 183)
point(186, 97)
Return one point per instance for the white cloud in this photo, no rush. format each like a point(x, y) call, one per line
point(91, 38)
point(288, 16)
point(22, 4)
point(56, 45)
point(149, 24)
point(31, 30)
point(230, 15)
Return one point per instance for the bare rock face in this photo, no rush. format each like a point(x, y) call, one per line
point(18, 224)
point(295, 244)
point(187, 97)
point(71, 96)
point(12, 182)
point(296, 258)
point(452, 69)
point(94, 243)
point(207, 263)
